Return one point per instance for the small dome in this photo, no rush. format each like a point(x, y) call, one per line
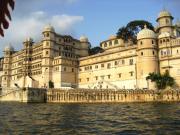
point(164, 34)
point(9, 48)
point(164, 13)
point(29, 39)
point(146, 33)
point(112, 37)
point(49, 28)
point(84, 39)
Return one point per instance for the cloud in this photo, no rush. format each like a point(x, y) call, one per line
point(33, 24)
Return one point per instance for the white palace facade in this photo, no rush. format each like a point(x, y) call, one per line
point(64, 61)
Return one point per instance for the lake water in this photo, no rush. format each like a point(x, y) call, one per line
point(90, 119)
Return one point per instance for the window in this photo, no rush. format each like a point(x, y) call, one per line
point(152, 41)
point(123, 62)
point(167, 40)
point(110, 43)
point(72, 69)
point(96, 67)
point(141, 53)
point(160, 41)
point(153, 53)
point(161, 52)
point(105, 44)
point(115, 63)
point(141, 42)
point(116, 42)
point(64, 68)
point(177, 51)
point(109, 76)
point(96, 77)
point(167, 21)
point(119, 75)
point(109, 65)
point(79, 80)
point(131, 73)
point(131, 62)
point(102, 65)
point(87, 79)
point(47, 52)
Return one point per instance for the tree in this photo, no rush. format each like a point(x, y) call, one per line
point(95, 50)
point(132, 29)
point(5, 13)
point(162, 81)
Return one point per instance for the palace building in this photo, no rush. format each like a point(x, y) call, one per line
point(64, 62)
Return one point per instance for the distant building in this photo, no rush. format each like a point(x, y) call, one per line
point(65, 62)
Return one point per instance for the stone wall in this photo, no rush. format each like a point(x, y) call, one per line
point(110, 96)
point(23, 95)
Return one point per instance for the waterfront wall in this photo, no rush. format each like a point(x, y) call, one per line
point(110, 96)
point(31, 95)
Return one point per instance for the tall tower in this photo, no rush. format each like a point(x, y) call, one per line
point(47, 59)
point(84, 46)
point(165, 22)
point(6, 79)
point(147, 59)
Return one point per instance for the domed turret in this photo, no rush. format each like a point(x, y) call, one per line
point(112, 37)
point(146, 33)
point(164, 13)
point(49, 28)
point(83, 39)
point(9, 48)
point(165, 22)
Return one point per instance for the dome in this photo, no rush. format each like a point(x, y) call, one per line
point(49, 28)
point(146, 33)
point(112, 37)
point(29, 39)
point(164, 13)
point(164, 34)
point(9, 48)
point(84, 39)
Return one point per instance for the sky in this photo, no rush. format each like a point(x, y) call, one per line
point(96, 19)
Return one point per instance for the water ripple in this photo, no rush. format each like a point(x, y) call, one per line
point(90, 119)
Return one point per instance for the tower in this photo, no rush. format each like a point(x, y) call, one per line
point(6, 78)
point(147, 59)
point(165, 22)
point(47, 56)
point(84, 46)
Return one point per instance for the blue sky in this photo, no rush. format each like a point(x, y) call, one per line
point(97, 19)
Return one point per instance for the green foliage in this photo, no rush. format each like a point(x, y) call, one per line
point(95, 50)
point(51, 84)
point(132, 29)
point(162, 81)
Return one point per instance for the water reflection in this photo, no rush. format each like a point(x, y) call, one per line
point(85, 119)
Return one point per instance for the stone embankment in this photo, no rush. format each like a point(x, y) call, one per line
point(35, 95)
point(111, 96)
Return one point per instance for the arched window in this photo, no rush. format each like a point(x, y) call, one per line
point(47, 52)
point(110, 43)
point(141, 42)
point(167, 21)
point(116, 41)
point(105, 44)
point(141, 53)
point(152, 41)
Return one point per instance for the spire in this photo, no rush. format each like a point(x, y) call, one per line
point(145, 26)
